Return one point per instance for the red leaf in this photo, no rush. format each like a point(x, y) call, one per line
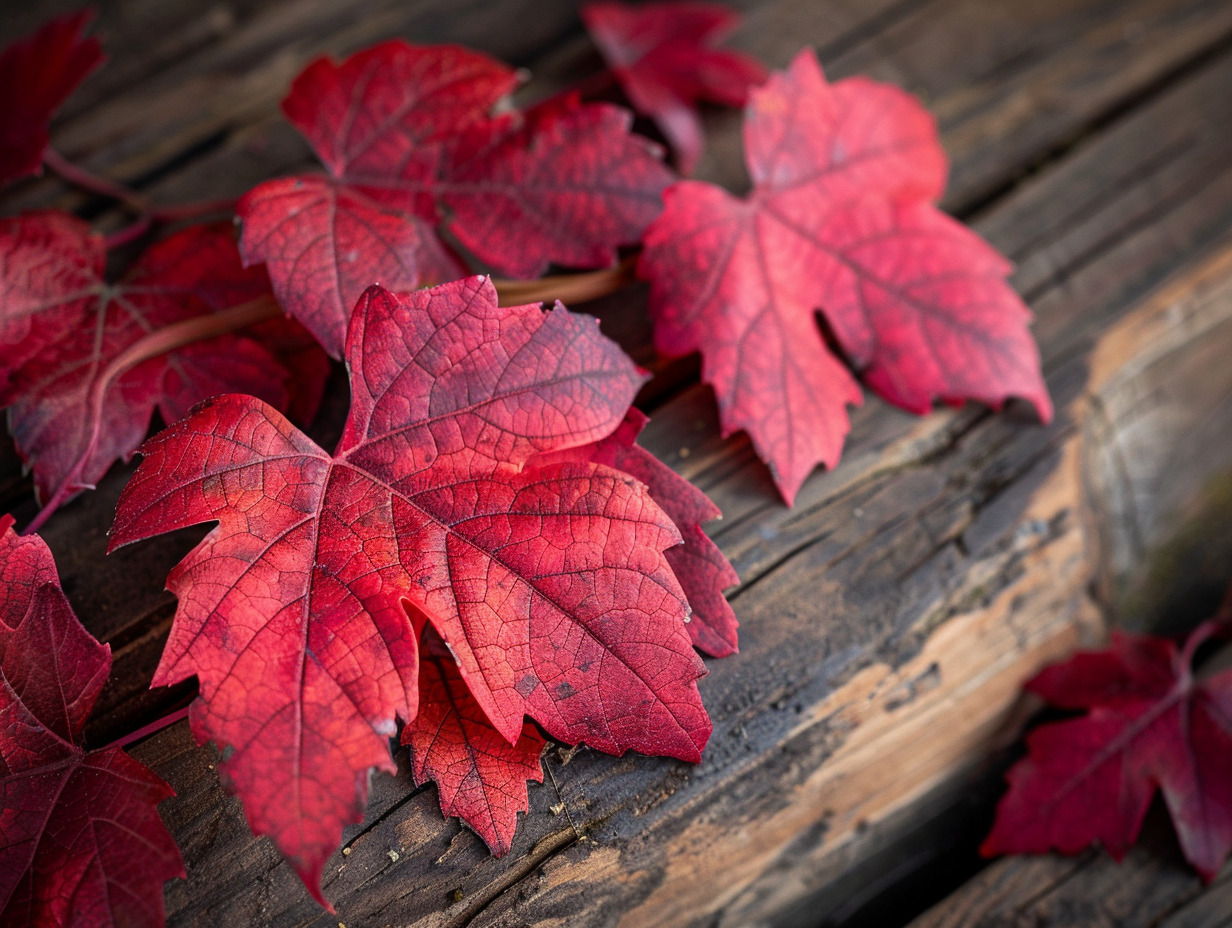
point(409, 136)
point(703, 571)
point(661, 55)
point(37, 74)
point(1148, 724)
point(81, 842)
point(62, 326)
point(480, 776)
point(548, 582)
point(838, 221)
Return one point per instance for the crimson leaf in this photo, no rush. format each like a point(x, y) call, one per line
point(37, 74)
point(839, 220)
point(548, 582)
point(63, 327)
point(1148, 724)
point(81, 842)
point(411, 141)
point(480, 776)
point(661, 55)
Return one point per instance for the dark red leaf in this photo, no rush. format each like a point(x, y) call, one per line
point(662, 56)
point(839, 221)
point(81, 842)
point(37, 74)
point(412, 142)
point(703, 571)
point(548, 582)
point(62, 326)
point(1149, 724)
point(480, 776)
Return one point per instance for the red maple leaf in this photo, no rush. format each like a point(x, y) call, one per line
point(480, 776)
point(411, 142)
point(548, 582)
point(1149, 724)
point(37, 74)
point(702, 569)
point(81, 842)
point(839, 221)
point(74, 408)
point(661, 55)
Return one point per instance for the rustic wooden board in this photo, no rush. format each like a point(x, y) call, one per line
point(886, 620)
point(1151, 888)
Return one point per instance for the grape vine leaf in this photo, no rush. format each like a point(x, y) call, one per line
point(840, 220)
point(480, 776)
point(413, 142)
point(661, 54)
point(37, 74)
point(1148, 724)
point(549, 583)
point(81, 842)
point(63, 327)
point(702, 569)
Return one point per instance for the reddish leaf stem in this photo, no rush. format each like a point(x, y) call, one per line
point(568, 288)
point(84, 179)
point(146, 730)
point(148, 214)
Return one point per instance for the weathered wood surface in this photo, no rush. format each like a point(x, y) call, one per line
point(888, 618)
point(1151, 888)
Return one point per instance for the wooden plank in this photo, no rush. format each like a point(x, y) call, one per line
point(1151, 888)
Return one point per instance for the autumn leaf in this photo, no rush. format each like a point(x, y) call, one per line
point(1149, 724)
point(549, 583)
point(481, 777)
point(662, 56)
point(702, 569)
point(81, 842)
point(413, 144)
point(840, 220)
point(63, 327)
point(37, 74)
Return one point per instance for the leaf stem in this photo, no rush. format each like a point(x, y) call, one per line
point(86, 180)
point(568, 288)
point(147, 213)
point(146, 730)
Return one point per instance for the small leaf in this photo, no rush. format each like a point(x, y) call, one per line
point(480, 776)
point(1148, 724)
point(662, 56)
point(37, 74)
point(81, 842)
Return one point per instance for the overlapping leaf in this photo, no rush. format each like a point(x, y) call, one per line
point(663, 57)
point(1148, 725)
point(72, 413)
point(480, 776)
point(81, 842)
point(548, 582)
point(840, 220)
point(37, 74)
point(702, 569)
point(412, 142)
